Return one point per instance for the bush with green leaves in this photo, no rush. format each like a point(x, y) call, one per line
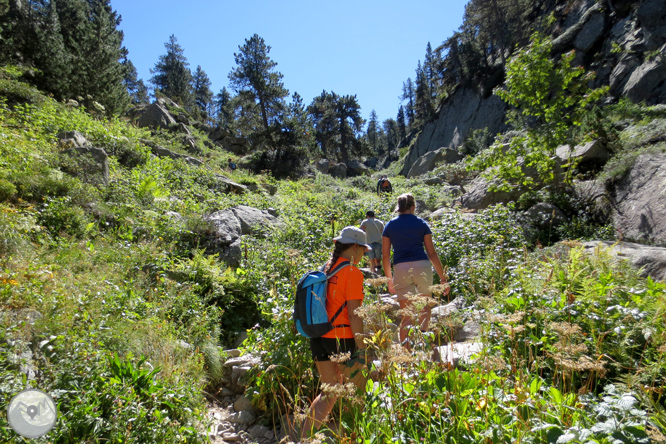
point(551, 99)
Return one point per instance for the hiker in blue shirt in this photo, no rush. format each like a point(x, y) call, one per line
point(232, 165)
point(414, 257)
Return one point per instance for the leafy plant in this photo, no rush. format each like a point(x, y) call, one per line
point(554, 94)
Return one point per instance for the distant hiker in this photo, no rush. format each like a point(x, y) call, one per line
point(414, 256)
point(373, 229)
point(345, 289)
point(232, 165)
point(384, 185)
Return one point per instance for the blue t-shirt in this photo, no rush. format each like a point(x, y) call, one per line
point(406, 233)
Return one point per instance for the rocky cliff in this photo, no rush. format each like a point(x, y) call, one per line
point(623, 41)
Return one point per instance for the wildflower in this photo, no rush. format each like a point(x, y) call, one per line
point(341, 358)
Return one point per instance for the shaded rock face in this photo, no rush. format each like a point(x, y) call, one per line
point(429, 160)
point(356, 168)
point(463, 112)
point(338, 170)
point(647, 82)
point(640, 201)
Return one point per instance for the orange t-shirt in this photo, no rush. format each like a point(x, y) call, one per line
point(346, 285)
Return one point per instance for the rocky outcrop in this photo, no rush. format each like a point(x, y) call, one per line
point(429, 160)
point(623, 42)
point(463, 112)
point(72, 139)
point(89, 164)
point(639, 212)
point(160, 151)
point(338, 170)
point(480, 196)
point(647, 82)
point(230, 224)
point(155, 116)
point(586, 157)
point(651, 260)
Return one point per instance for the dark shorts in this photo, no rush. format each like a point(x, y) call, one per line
point(323, 348)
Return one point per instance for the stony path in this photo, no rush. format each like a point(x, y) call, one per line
point(234, 420)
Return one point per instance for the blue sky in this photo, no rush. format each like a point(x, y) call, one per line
point(363, 47)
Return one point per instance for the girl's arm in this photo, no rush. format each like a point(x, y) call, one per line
point(355, 321)
point(434, 258)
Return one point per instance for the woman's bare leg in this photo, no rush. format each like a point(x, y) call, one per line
point(329, 373)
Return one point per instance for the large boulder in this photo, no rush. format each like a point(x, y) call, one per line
point(232, 223)
point(431, 159)
point(322, 165)
point(542, 217)
point(338, 170)
point(254, 221)
point(155, 116)
point(588, 156)
point(356, 168)
point(226, 237)
point(72, 139)
point(639, 212)
point(89, 164)
point(480, 196)
point(462, 113)
point(651, 260)
point(230, 186)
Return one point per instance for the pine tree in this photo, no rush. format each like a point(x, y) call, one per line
point(51, 56)
point(423, 108)
point(135, 87)
point(299, 123)
point(259, 87)
point(430, 71)
point(372, 133)
point(408, 94)
point(322, 112)
point(338, 123)
point(391, 130)
point(224, 109)
point(90, 32)
point(402, 127)
point(202, 94)
point(171, 75)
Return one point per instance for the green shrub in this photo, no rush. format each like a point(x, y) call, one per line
point(7, 190)
point(59, 217)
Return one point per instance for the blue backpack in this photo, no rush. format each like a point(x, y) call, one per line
point(310, 314)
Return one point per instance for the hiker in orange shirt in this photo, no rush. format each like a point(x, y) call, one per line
point(345, 288)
